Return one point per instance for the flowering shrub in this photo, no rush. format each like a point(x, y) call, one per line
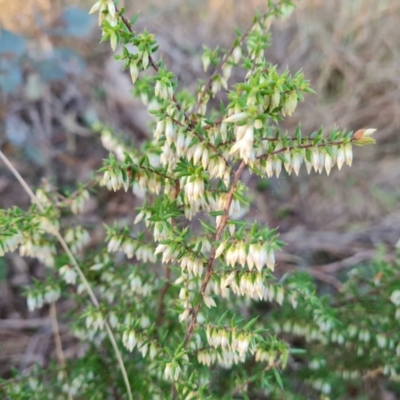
point(184, 308)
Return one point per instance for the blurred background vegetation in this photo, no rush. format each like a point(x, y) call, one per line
point(56, 80)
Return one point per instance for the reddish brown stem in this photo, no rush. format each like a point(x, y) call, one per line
point(210, 261)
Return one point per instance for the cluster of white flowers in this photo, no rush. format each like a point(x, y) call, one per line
point(308, 331)
point(138, 286)
point(77, 238)
point(151, 183)
point(32, 247)
point(159, 233)
point(164, 89)
point(395, 297)
point(143, 214)
point(143, 252)
point(390, 371)
point(316, 363)
point(49, 294)
point(93, 336)
point(235, 211)
point(42, 196)
point(114, 179)
point(192, 264)
point(225, 358)
point(269, 356)
point(350, 375)
point(252, 285)
point(320, 385)
point(46, 224)
point(194, 189)
point(78, 202)
point(172, 370)
point(131, 247)
point(68, 274)
point(107, 12)
point(10, 242)
point(132, 339)
point(253, 255)
point(168, 254)
point(319, 159)
point(121, 150)
point(95, 320)
point(230, 339)
point(79, 384)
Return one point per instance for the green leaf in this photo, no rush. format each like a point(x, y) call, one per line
point(207, 226)
point(278, 378)
point(135, 18)
point(298, 134)
point(251, 323)
point(297, 351)
point(216, 213)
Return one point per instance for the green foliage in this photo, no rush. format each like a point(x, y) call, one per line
point(193, 303)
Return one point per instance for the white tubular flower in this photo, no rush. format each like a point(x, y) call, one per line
point(270, 260)
point(250, 257)
point(275, 99)
point(224, 131)
point(315, 158)
point(145, 59)
point(340, 158)
point(111, 8)
point(129, 339)
point(205, 59)
point(237, 54)
point(133, 70)
point(288, 163)
point(209, 301)
point(197, 153)
point(227, 70)
point(236, 117)
point(395, 297)
point(297, 160)
point(184, 316)
point(308, 166)
point(242, 256)
point(269, 167)
point(169, 131)
point(216, 85)
point(160, 128)
point(113, 40)
point(277, 166)
point(348, 154)
point(205, 158)
point(220, 249)
point(290, 104)
point(96, 7)
point(321, 162)
point(280, 295)
point(328, 163)
point(68, 274)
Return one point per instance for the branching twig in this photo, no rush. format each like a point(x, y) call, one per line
point(207, 86)
point(220, 230)
point(156, 69)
